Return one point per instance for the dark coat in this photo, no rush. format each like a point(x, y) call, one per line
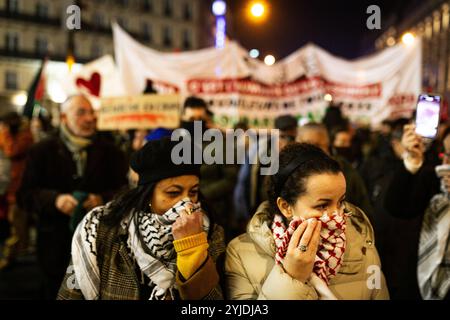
point(51, 171)
point(406, 199)
point(217, 183)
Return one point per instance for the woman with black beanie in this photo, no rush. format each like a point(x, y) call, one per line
point(153, 242)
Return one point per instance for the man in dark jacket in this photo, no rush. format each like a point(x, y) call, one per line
point(67, 175)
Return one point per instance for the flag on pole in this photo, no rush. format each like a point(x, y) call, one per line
point(35, 92)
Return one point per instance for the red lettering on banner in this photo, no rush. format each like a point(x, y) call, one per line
point(165, 87)
point(402, 105)
point(402, 99)
point(298, 87)
point(340, 90)
point(137, 117)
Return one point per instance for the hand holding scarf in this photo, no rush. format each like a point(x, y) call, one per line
point(331, 246)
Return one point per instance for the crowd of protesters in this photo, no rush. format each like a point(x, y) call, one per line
point(115, 218)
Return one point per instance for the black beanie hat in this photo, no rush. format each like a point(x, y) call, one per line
point(153, 162)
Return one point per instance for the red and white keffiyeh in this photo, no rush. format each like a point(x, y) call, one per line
point(331, 246)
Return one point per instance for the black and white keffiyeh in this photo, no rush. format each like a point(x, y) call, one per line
point(433, 270)
point(157, 262)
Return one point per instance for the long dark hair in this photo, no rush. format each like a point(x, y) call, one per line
point(130, 200)
point(295, 185)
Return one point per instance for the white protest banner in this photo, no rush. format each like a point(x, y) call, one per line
point(98, 78)
point(369, 90)
point(139, 112)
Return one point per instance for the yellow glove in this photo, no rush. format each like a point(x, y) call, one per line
point(191, 253)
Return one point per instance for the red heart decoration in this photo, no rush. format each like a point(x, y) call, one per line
point(93, 84)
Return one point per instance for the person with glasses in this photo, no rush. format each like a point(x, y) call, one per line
point(67, 175)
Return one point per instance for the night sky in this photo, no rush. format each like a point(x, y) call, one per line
point(337, 26)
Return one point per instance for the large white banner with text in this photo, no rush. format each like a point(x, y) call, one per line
point(237, 87)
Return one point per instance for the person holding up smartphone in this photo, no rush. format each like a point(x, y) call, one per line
point(420, 190)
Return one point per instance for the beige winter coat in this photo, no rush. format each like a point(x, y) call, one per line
point(251, 272)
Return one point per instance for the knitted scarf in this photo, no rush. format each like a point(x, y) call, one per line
point(150, 243)
point(433, 270)
point(330, 251)
point(77, 146)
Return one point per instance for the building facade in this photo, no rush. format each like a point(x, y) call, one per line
point(430, 21)
point(32, 29)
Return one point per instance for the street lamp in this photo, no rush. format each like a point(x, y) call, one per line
point(257, 10)
point(19, 99)
point(408, 38)
point(328, 97)
point(390, 41)
point(219, 9)
point(254, 53)
point(70, 60)
point(269, 60)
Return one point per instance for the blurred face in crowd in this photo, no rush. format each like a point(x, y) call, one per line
point(385, 129)
point(343, 139)
point(194, 114)
point(35, 124)
point(315, 136)
point(325, 193)
point(79, 116)
point(286, 137)
point(169, 191)
point(139, 139)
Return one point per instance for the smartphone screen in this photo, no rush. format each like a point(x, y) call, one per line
point(427, 116)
